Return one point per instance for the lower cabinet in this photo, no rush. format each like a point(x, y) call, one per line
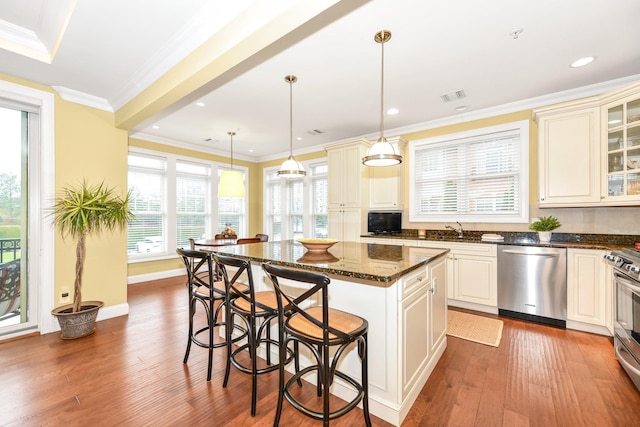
point(423, 325)
point(589, 288)
point(438, 303)
point(472, 274)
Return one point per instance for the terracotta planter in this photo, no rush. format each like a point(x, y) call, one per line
point(544, 236)
point(80, 324)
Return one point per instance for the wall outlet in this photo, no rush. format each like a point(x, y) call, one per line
point(65, 296)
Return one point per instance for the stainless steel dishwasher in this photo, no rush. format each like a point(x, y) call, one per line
point(532, 283)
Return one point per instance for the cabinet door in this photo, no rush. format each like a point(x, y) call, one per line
point(414, 330)
point(475, 279)
point(621, 165)
point(586, 286)
point(344, 224)
point(438, 303)
point(568, 143)
point(353, 178)
point(335, 159)
point(384, 187)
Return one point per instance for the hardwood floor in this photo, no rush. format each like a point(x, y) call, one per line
point(130, 372)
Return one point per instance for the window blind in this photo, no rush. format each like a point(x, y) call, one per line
point(479, 177)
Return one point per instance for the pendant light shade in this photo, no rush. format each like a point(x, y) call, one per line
point(382, 152)
point(231, 181)
point(291, 168)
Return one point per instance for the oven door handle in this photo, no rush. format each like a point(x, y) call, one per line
point(623, 360)
point(627, 283)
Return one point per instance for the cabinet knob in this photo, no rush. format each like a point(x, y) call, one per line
point(542, 199)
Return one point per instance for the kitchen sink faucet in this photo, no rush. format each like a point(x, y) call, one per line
point(459, 230)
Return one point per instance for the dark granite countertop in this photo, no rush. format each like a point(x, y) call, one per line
point(561, 240)
point(378, 264)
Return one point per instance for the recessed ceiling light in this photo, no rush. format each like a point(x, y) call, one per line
point(155, 127)
point(461, 108)
point(299, 138)
point(582, 61)
point(392, 111)
point(200, 104)
point(251, 150)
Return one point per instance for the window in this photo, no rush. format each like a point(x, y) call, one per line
point(304, 201)
point(193, 189)
point(174, 199)
point(147, 184)
point(479, 176)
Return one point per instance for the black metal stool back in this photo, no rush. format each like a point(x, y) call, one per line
point(318, 328)
point(204, 289)
point(257, 310)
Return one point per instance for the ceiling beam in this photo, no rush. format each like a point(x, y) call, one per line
point(241, 45)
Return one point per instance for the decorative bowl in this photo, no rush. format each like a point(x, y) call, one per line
point(317, 245)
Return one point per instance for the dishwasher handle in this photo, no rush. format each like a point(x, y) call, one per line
point(517, 252)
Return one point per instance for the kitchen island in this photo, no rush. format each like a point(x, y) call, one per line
point(400, 290)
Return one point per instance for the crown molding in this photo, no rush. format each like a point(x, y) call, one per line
point(82, 98)
point(525, 104)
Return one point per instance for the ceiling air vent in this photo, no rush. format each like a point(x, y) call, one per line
point(452, 96)
point(314, 132)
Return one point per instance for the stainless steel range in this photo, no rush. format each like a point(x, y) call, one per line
point(626, 272)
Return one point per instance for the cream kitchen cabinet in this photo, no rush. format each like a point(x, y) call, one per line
point(423, 326)
point(589, 151)
point(569, 154)
point(348, 178)
point(472, 274)
point(347, 190)
point(386, 184)
point(621, 139)
point(589, 293)
point(345, 224)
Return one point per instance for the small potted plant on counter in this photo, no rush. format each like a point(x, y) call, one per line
point(544, 225)
point(79, 212)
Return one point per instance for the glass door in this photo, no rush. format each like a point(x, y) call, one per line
point(13, 218)
point(623, 149)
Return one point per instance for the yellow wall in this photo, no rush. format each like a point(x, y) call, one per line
point(88, 146)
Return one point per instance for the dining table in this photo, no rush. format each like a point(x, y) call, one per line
point(214, 242)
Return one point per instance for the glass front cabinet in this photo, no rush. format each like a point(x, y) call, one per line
point(621, 125)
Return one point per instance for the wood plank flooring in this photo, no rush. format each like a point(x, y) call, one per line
point(130, 373)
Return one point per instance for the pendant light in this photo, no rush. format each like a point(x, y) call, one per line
point(231, 181)
point(382, 152)
point(291, 168)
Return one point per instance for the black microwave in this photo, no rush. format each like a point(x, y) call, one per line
point(389, 222)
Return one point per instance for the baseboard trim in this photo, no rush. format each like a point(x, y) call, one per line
point(155, 276)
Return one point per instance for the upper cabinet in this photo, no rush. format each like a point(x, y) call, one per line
point(589, 151)
point(621, 123)
point(386, 184)
point(348, 177)
point(569, 154)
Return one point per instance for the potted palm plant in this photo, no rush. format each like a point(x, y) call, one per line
point(79, 212)
point(544, 225)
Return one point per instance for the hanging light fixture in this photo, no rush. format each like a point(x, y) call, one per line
point(291, 168)
point(231, 181)
point(382, 152)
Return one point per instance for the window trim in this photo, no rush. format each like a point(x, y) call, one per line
point(522, 128)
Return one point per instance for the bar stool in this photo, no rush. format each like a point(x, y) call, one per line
point(205, 289)
point(318, 328)
point(257, 310)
